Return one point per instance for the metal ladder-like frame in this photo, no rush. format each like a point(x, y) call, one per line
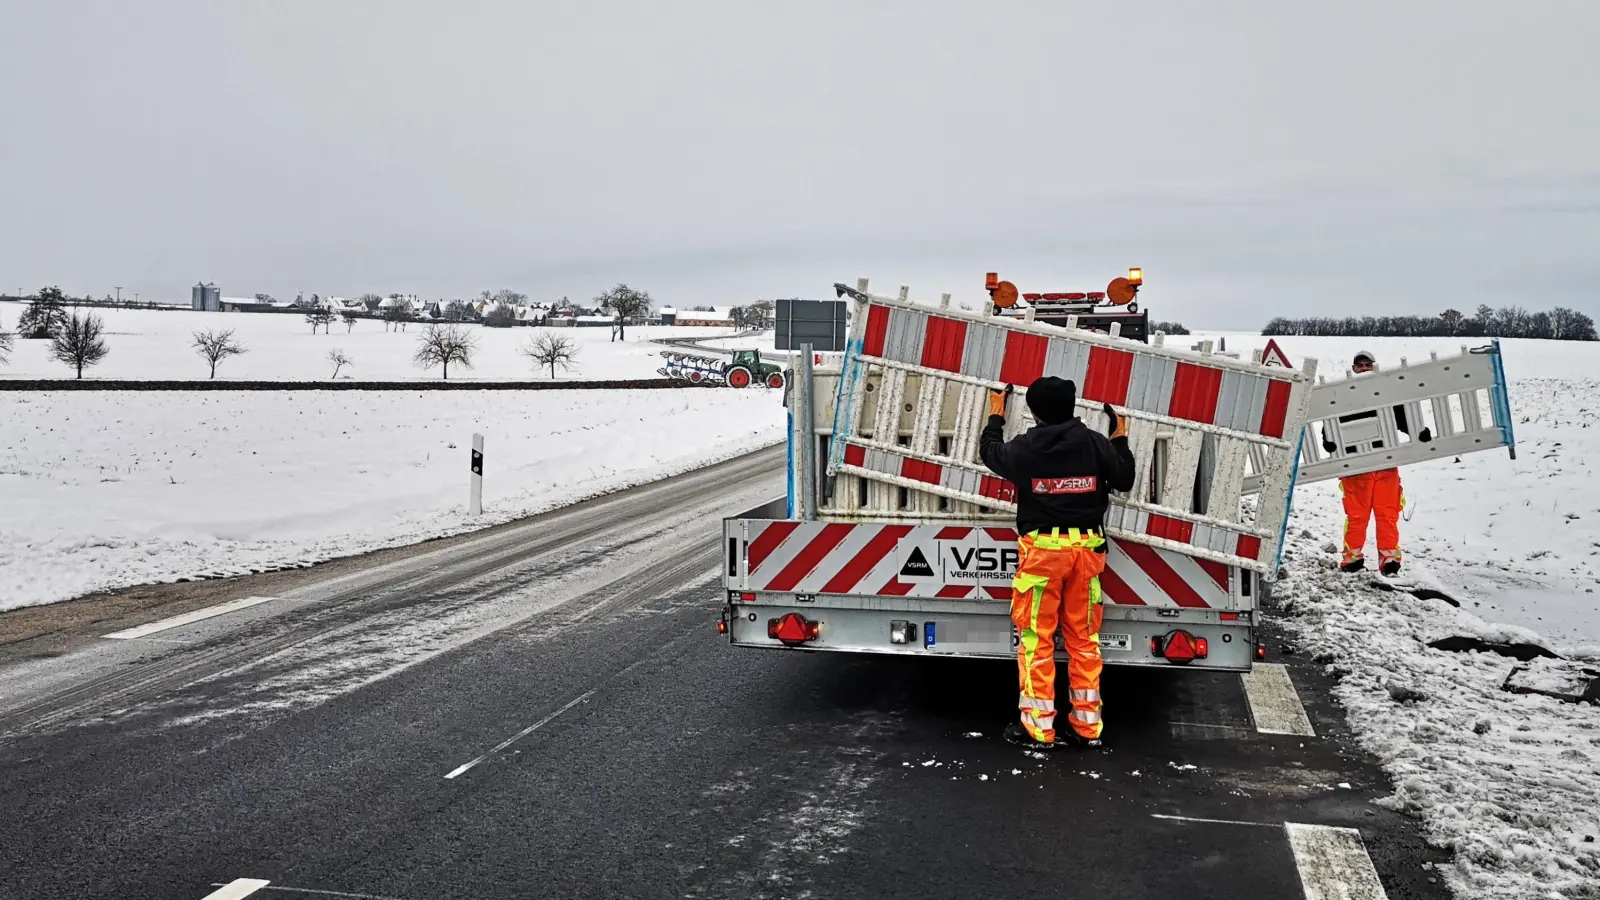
point(933, 459)
point(1462, 400)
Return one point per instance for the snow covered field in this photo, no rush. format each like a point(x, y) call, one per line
point(153, 344)
point(106, 489)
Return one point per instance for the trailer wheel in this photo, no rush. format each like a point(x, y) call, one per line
point(695, 376)
point(775, 381)
point(739, 377)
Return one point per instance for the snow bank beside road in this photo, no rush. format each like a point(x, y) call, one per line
point(1510, 783)
point(103, 490)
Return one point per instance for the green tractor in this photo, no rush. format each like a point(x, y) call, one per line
point(747, 369)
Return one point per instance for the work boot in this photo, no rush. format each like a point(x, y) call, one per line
point(1072, 740)
point(1354, 565)
point(1390, 568)
point(1016, 734)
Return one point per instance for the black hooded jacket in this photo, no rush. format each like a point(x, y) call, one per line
point(1064, 472)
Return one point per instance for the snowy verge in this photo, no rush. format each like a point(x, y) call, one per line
point(107, 490)
point(1510, 783)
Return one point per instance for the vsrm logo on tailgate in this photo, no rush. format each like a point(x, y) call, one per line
point(977, 560)
point(965, 562)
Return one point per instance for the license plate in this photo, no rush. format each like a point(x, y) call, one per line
point(1115, 641)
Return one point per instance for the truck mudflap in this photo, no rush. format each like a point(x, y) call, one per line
point(1214, 640)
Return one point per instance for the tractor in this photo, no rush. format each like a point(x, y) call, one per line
point(747, 369)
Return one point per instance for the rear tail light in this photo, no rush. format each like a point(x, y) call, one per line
point(1179, 647)
point(722, 625)
point(1261, 651)
point(793, 629)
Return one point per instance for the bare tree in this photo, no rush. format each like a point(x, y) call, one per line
point(625, 303)
point(549, 350)
point(216, 346)
point(339, 360)
point(397, 313)
point(5, 347)
point(265, 298)
point(502, 316)
point(320, 317)
point(760, 314)
point(349, 321)
point(443, 345)
point(80, 342)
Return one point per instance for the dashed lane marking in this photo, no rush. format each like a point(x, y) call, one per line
point(1274, 704)
point(236, 889)
point(461, 769)
point(189, 618)
point(1333, 863)
point(1215, 821)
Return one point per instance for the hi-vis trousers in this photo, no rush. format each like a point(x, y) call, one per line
point(1058, 584)
point(1375, 495)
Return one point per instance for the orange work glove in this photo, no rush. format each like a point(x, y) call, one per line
point(997, 401)
point(1118, 426)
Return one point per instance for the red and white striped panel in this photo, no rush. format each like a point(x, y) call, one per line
point(866, 559)
point(1151, 380)
point(956, 480)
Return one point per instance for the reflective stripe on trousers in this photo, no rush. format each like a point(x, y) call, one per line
point(1058, 586)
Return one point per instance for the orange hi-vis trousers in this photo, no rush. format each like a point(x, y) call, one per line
point(1375, 495)
point(1058, 585)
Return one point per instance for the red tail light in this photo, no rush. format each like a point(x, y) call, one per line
point(1180, 647)
point(1261, 651)
point(792, 629)
point(722, 626)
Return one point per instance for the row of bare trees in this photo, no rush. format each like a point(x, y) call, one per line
point(76, 339)
point(1559, 324)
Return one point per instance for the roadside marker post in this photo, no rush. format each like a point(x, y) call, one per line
point(475, 504)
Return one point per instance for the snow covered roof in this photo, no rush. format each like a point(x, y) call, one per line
point(698, 315)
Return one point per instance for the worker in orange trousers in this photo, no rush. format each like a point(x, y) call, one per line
point(1064, 474)
point(1372, 495)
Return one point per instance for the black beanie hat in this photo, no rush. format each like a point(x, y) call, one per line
point(1052, 400)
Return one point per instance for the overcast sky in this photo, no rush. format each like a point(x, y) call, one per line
point(1256, 157)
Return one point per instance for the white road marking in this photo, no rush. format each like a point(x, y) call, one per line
point(324, 893)
point(189, 617)
point(1212, 732)
point(458, 770)
point(236, 889)
point(1274, 704)
point(1333, 863)
point(521, 734)
point(1216, 821)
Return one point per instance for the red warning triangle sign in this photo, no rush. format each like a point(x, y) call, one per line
point(1273, 355)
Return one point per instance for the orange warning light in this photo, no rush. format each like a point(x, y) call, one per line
point(1120, 292)
point(1004, 294)
point(1136, 276)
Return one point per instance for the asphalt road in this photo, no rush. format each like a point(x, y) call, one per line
point(546, 710)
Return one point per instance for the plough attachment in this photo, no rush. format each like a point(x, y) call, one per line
point(694, 369)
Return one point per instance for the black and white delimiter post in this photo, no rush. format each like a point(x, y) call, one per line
point(475, 505)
